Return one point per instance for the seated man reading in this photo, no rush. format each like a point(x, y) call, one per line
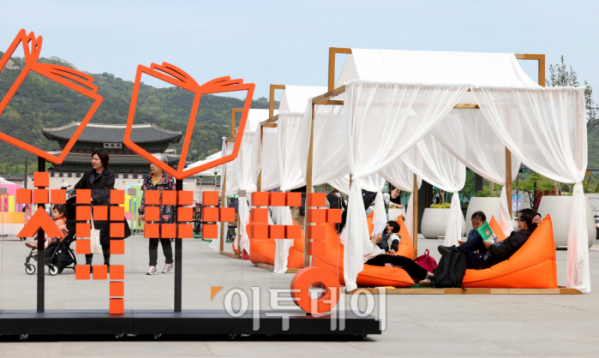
point(491, 254)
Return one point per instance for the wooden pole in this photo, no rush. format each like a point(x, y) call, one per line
point(332, 52)
point(415, 216)
point(223, 203)
point(271, 100)
point(308, 188)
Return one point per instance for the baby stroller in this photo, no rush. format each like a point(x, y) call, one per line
point(58, 256)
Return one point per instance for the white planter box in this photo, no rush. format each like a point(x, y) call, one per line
point(559, 209)
point(434, 223)
point(489, 206)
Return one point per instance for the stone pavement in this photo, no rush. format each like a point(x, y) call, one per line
point(418, 325)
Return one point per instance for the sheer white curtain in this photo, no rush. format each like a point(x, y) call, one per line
point(466, 134)
point(215, 244)
point(265, 159)
point(283, 215)
point(246, 182)
point(290, 173)
point(232, 180)
point(546, 130)
point(435, 165)
point(402, 177)
point(329, 158)
point(383, 122)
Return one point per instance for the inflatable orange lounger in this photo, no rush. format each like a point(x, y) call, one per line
point(532, 266)
point(371, 276)
point(262, 251)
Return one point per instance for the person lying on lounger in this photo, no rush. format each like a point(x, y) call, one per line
point(492, 253)
point(377, 256)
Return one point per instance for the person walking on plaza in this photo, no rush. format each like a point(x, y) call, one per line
point(100, 180)
point(159, 180)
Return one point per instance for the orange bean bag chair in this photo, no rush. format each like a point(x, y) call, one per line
point(371, 276)
point(406, 245)
point(532, 266)
point(263, 251)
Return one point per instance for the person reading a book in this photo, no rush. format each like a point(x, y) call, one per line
point(491, 253)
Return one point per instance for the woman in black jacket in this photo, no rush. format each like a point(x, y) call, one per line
point(100, 180)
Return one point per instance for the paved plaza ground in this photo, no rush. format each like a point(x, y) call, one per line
point(418, 325)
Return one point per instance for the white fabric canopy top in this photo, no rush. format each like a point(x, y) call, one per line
point(435, 68)
point(210, 158)
point(394, 100)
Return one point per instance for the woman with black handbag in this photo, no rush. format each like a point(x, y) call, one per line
point(100, 180)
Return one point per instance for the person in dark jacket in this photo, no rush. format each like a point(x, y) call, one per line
point(335, 201)
point(100, 180)
point(496, 253)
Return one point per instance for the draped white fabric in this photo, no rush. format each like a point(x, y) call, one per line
point(383, 122)
point(294, 98)
point(215, 244)
point(283, 215)
point(230, 168)
point(546, 130)
point(437, 166)
point(329, 155)
point(265, 159)
point(290, 173)
point(246, 182)
point(466, 134)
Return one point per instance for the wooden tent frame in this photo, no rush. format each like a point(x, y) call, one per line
point(325, 99)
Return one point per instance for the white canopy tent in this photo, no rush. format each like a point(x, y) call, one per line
point(238, 176)
point(394, 100)
point(210, 158)
point(276, 163)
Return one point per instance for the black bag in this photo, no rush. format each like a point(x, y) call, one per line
point(451, 270)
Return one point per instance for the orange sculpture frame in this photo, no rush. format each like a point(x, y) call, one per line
point(177, 77)
point(73, 79)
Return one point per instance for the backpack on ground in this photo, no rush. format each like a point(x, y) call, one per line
point(451, 270)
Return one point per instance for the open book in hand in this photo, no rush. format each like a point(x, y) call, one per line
point(487, 233)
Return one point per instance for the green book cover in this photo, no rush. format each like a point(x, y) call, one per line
point(486, 232)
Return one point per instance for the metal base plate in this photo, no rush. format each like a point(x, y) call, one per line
point(85, 322)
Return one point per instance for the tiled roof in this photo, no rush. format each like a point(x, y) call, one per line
point(113, 133)
point(173, 159)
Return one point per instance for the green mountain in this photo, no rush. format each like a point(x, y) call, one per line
point(41, 102)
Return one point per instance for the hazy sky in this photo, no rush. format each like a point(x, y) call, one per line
point(286, 42)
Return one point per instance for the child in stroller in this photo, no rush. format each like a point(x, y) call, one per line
point(58, 253)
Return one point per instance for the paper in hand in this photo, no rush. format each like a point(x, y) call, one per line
point(379, 228)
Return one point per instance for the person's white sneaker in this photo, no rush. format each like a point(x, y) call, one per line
point(152, 271)
point(168, 268)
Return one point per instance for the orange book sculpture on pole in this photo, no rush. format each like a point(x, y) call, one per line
point(177, 77)
point(73, 79)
